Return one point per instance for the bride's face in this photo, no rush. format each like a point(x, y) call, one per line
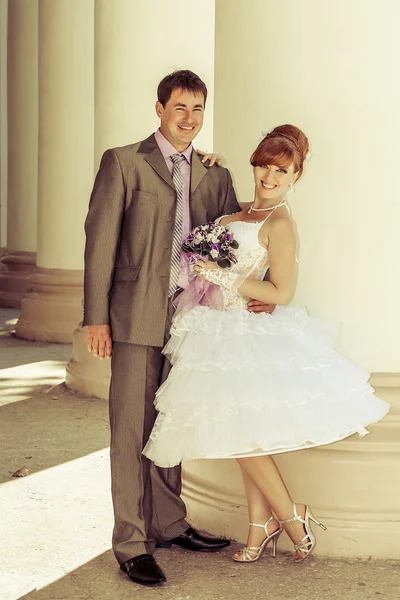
point(272, 182)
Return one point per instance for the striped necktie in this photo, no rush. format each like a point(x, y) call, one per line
point(177, 241)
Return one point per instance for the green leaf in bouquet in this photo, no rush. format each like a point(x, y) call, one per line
point(224, 263)
point(234, 244)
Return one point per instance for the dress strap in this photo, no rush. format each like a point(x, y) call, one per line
point(283, 203)
point(289, 211)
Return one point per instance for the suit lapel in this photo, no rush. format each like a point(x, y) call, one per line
point(198, 172)
point(155, 159)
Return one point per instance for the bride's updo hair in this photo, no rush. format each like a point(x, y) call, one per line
point(282, 146)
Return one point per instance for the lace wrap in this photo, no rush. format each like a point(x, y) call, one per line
point(223, 277)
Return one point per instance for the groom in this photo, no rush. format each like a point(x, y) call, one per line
point(146, 198)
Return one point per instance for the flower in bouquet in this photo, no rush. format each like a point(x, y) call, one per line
point(214, 242)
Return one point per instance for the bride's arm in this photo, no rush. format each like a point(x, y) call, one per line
point(281, 244)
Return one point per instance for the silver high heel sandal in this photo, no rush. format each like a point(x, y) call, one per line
point(253, 553)
point(307, 544)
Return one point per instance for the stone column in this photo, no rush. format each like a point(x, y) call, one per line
point(3, 128)
point(127, 71)
point(22, 102)
point(52, 307)
point(325, 68)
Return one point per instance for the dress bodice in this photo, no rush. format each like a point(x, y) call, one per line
point(252, 260)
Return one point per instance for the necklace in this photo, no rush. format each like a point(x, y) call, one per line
point(252, 209)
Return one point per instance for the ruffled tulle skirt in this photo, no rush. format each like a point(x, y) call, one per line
point(247, 384)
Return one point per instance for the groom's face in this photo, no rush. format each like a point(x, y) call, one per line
point(181, 118)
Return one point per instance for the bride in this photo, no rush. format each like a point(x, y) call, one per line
point(249, 385)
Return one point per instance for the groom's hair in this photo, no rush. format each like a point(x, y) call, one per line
point(184, 80)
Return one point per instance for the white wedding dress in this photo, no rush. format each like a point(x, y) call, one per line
point(245, 384)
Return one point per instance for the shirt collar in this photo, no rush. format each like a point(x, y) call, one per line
point(167, 148)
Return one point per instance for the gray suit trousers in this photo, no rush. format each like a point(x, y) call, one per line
point(147, 504)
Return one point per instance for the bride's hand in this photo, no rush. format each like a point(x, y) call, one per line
point(202, 266)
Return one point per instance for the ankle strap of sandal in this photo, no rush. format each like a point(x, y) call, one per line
point(296, 517)
point(265, 526)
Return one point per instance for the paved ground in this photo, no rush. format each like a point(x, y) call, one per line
point(55, 523)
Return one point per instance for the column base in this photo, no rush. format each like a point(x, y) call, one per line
point(86, 373)
point(14, 277)
point(351, 486)
point(52, 306)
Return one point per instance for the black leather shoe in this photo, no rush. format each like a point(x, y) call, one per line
point(143, 569)
point(192, 540)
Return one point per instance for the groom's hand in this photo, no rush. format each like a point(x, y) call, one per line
point(215, 159)
point(99, 340)
point(257, 306)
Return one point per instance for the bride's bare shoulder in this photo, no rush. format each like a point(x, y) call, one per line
point(278, 227)
point(281, 226)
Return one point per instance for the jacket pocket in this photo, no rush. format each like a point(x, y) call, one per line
point(140, 197)
point(126, 273)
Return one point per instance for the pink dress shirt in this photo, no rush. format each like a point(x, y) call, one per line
point(167, 149)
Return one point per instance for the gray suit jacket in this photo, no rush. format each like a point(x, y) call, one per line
point(129, 233)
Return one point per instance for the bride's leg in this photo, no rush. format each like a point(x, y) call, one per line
point(264, 474)
point(259, 511)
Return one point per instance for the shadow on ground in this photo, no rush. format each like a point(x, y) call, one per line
point(195, 576)
point(49, 429)
point(42, 423)
point(15, 352)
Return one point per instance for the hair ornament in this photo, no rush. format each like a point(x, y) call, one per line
point(266, 132)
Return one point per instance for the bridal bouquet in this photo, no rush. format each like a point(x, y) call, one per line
point(212, 241)
point(215, 243)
